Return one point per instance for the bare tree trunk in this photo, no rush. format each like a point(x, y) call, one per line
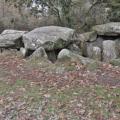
point(3, 8)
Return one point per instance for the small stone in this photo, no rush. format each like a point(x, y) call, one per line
point(64, 53)
point(23, 51)
point(47, 95)
point(75, 49)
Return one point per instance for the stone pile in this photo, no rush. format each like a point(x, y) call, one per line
point(102, 43)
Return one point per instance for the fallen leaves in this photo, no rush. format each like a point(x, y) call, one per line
point(62, 95)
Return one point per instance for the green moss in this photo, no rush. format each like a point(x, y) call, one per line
point(115, 62)
point(61, 44)
point(93, 66)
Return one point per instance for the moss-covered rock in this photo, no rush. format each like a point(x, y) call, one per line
point(115, 62)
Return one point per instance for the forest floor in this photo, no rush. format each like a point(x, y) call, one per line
point(31, 91)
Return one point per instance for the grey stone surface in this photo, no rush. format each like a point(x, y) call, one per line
point(65, 54)
point(109, 50)
point(108, 29)
point(39, 54)
point(10, 38)
point(75, 49)
point(97, 53)
point(23, 51)
point(87, 37)
point(49, 37)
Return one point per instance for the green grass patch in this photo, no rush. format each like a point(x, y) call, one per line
point(101, 100)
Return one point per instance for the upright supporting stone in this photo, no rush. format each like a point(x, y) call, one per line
point(40, 53)
point(109, 50)
point(96, 53)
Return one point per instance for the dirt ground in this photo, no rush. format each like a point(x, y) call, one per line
point(33, 90)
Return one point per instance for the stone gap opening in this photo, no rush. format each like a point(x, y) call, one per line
point(19, 43)
point(29, 53)
point(52, 55)
point(109, 37)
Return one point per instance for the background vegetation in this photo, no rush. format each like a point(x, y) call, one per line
point(78, 14)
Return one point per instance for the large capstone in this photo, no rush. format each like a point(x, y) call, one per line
point(108, 29)
point(11, 38)
point(49, 37)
